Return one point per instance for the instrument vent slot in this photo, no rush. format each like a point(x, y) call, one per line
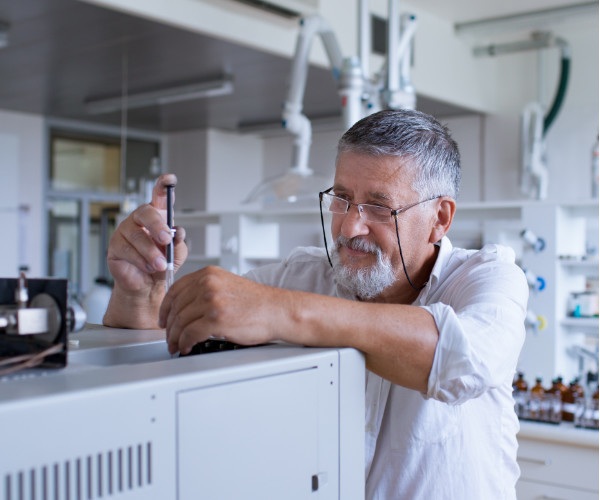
point(106, 474)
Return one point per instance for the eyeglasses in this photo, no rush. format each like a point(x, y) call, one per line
point(371, 213)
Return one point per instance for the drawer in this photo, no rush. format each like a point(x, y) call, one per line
point(530, 490)
point(559, 464)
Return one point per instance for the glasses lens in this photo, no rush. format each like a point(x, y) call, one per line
point(334, 204)
point(374, 213)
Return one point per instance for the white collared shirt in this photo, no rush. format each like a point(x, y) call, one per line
point(458, 441)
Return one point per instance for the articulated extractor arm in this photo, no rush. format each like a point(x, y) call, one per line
point(293, 119)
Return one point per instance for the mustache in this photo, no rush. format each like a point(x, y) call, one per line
point(358, 243)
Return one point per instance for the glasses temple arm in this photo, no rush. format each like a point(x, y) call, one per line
point(323, 228)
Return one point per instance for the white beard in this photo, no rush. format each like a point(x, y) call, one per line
point(365, 283)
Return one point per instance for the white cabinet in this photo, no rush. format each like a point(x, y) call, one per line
point(240, 241)
point(557, 462)
point(531, 490)
point(567, 230)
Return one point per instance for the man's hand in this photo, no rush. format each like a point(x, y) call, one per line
point(212, 302)
point(136, 260)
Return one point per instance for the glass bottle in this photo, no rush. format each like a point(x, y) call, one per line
point(520, 384)
point(553, 401)
point(536, 396)
point(570, 397)
point(520, 387)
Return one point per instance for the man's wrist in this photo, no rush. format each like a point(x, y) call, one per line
point(134, 310)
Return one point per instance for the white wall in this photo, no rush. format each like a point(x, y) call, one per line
point(215, 169)
point(22, 161)
point(570, 138)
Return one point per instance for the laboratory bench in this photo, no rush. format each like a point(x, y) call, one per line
point(126, 420)
point(557, 461)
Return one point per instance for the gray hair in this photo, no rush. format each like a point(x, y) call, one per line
point(419, 138)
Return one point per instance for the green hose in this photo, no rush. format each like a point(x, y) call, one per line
point(560, 93)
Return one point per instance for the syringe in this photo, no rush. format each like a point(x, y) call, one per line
point(170, 253)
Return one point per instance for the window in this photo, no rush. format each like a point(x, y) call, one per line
point(87, 188)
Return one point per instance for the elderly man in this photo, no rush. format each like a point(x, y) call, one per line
point(441, 328)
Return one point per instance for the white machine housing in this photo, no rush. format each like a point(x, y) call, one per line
point(125, 420)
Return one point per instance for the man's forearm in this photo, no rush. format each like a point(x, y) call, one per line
point(398, 341)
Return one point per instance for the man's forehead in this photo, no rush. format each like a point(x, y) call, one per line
point(380, 176)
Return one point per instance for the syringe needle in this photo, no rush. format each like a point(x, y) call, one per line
point(169, 276)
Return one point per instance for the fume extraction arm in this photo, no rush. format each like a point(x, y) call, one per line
point(300, 181)
point(359, 95)
point(534, 123)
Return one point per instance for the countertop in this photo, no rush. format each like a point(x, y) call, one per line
point(563, 433)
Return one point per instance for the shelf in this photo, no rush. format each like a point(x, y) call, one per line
point(480, 210)
point(585, 325)
point(579, 262)
point(585, 266)
point(195, 218)
point(203, 259)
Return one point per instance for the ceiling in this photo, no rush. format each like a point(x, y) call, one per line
point(64, 52)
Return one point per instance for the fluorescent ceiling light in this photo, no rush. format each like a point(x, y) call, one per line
point(527, 20)
point(200, 90)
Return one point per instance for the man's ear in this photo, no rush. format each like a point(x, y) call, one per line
point(446, 207)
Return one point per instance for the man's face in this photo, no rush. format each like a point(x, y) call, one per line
point(365, 255)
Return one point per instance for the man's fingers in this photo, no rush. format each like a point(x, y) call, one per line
point(152, 220)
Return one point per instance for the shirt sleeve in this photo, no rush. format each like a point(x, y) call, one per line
point(480, 318)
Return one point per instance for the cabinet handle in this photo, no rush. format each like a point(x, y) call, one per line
point(546, 497)
point(537, 461)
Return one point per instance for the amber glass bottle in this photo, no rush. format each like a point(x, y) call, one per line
point(538, 388)
point(569, 397)
point(554, 396)
point(536, 397)
point(520, 384)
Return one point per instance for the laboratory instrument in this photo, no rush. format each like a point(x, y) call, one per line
point(35, 317)
point(124, 420)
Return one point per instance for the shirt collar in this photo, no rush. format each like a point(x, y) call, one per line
point(445, 249)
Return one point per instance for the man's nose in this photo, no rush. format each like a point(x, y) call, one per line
point(354, 223)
